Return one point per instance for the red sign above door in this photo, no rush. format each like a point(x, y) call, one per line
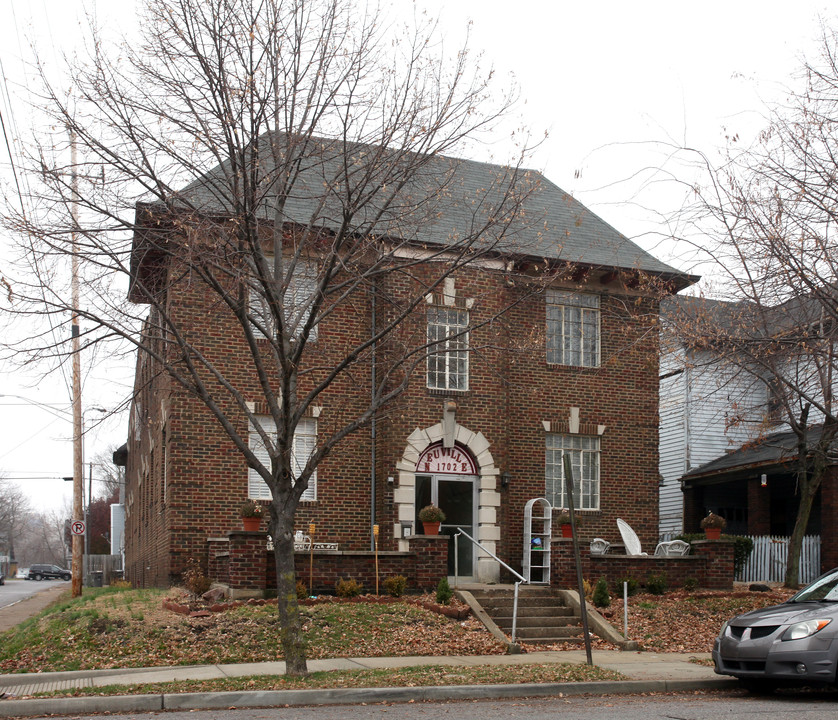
point(453, 460)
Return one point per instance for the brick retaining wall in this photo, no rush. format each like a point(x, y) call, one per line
point(710, 563)
point(242, 562)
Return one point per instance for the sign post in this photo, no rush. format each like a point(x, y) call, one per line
point(583, 605)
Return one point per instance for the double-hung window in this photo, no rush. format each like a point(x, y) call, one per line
point(448, 348)
point(305, 443)
point(572, 328)
point(584, 461)
point(297, 301)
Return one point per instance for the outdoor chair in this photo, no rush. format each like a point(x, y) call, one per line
point(630, 539)
point(672, 548)
point(599, 546)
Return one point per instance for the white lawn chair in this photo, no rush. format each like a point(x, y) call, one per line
point(630, 539)
point(599, 546)
point(672, 548)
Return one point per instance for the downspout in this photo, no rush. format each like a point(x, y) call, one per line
point(373, 421)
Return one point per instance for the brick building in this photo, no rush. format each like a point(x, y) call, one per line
point(553, 362)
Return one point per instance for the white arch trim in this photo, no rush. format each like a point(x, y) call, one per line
point(488, 530)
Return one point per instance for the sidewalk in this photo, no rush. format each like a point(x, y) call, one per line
point(646, 672)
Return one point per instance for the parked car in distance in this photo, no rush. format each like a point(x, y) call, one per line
point(48, 572)
point(22, 574)
point(2, 579)
point(795, 643)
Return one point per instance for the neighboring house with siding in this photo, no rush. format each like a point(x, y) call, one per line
point(723, 443)
point(707, 409)
point(571, 369)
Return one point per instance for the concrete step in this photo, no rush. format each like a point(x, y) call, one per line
point(542, 615)
point(538, 621)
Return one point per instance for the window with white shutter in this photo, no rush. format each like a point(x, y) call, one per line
point(299, 297)
point(305, 443)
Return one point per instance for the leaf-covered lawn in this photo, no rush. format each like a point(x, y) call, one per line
point(683, 621)
point(108, 628)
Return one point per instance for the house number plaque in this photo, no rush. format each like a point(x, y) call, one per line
point(453, 460)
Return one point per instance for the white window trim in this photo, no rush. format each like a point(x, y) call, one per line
point(588, 306)
point(450, 357)
point(585, 451)
point(305, 443)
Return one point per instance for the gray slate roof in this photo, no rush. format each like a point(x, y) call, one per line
point(447, 198)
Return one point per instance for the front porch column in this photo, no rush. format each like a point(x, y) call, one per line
point(759, 508)
point(829, 518)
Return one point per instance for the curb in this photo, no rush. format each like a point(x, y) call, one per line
point(341, 696)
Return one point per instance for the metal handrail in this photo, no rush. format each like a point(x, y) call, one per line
point(522, 579)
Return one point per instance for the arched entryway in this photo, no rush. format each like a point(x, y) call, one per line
point(462, 478)
point(447, 477)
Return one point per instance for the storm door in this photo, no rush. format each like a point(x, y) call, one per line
point(457, 496)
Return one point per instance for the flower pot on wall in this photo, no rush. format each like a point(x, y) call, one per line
point(251, 524)
point(712, 533)
point(430, 528)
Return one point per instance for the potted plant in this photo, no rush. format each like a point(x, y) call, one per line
point(713, 525)
point(251, 513)
point(431, 516)
point(563, 520)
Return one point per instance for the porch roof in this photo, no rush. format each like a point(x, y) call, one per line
point(775, 451)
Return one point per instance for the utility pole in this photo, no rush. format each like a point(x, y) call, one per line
point(78, 469)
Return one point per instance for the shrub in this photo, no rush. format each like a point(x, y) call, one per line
point(632, 583)
point(742, 547)
point(443, 592)
point(713, 521)
point(121, 585)
point(656, 584)
point(690, 584)
point(302, 590)
point(395, 585)
point(601, 597)
point(431, 513)
point(348, 588)
point(194, 579)
point(588, 590)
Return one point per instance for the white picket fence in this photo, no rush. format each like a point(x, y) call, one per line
point(768, 559)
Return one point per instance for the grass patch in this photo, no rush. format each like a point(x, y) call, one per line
point(421, 676)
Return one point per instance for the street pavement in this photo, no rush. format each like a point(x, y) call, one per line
point(646, 672)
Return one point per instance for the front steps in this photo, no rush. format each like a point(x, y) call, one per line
point(543, 616)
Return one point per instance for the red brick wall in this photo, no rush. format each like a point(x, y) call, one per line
point(512, 391)
point(710, 563)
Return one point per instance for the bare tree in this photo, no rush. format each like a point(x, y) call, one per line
point(45, 538)
point(766, 219)
point(15, 510)
point(286, 156)
point(110, 477)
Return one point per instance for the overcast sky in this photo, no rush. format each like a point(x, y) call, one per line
point(611, 83)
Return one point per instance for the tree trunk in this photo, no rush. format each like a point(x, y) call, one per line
point(809, 485)
point(291, 629)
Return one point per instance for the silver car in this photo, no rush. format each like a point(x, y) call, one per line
point(793, 643)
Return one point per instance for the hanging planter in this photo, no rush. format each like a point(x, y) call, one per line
point(567, 530)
